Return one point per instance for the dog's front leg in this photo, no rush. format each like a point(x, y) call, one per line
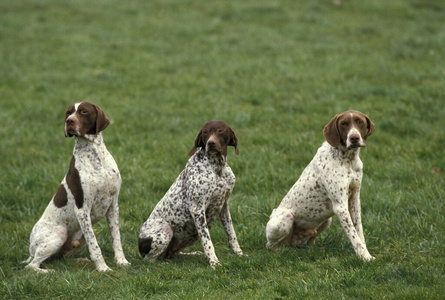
point(83, 216)
point(199, 217)
point(226, 220)
point(113, 226)
point(341, 210)
point(356, 215)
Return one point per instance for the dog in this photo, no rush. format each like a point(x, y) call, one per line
point(88, 192)
point(198, 196)
point(329, 185)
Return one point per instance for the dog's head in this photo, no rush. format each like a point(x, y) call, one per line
point(214, 137)
point(84, 118)
point(350, 129)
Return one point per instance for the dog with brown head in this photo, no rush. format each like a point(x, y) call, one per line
point(214, 137)
point(350, 129)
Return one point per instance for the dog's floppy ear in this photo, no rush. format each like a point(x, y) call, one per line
point(198, 143)
point(331, 133)
point(371, 127)
point(102, 120)
point(233, 141)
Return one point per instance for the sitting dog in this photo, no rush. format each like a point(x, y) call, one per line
point(88, 192)
point(330, 185)
point(198, 196)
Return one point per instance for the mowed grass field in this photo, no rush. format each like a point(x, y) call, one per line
point(276, 72)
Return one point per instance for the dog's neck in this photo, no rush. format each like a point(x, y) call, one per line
point(217, 160)
point(88, 139)
point(89, 142)
point(347, 154)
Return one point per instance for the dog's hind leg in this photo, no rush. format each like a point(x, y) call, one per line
point(154, 239)
point(279, 228)
point(45, 242)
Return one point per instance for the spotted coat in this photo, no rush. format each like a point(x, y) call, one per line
point(197, 197)
point(328, 186)
point(87, 193)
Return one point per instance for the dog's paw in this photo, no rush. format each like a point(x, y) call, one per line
point(103, 268)
point(368, 257)
point(272, 246)
point(214, 264)
point(240, 253)
point(122, 261)
point(38, 270)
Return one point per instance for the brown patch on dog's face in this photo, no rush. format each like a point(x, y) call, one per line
point(214, 137)
point(84, 118)
point(350, 128)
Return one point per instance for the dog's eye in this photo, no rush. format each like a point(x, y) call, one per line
point(83, 112)
point(220, 131)
point(360, 122)
point(344, 123)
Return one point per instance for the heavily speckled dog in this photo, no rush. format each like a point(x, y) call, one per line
point(330, 185)
point(88, 192)
point(198, 196)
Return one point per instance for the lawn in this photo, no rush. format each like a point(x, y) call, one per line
point(276, 72)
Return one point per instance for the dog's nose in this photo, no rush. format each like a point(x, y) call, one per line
point(355, 139)
point(69, 122)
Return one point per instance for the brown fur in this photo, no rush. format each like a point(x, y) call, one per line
point(60, 198)
point(91, 117)
point(73, 181)
point(335, 131)
point(226, 137)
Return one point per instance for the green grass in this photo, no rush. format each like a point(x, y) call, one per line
point(276, 71)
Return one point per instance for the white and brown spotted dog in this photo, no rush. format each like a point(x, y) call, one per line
point(330, 185)
point(88, 192)
point(198, 196)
